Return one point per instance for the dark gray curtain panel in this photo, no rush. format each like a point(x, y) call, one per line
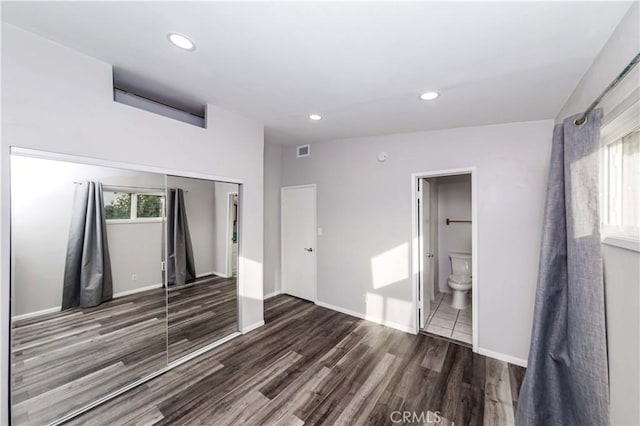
point(87, 272)
point(566, 382)
point(180, 265)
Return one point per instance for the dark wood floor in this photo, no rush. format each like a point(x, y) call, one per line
point(201, 313)
point(66, 360)
point(310, 365)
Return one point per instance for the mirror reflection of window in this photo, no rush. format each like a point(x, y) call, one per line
point(117, 205)
point(149, 205)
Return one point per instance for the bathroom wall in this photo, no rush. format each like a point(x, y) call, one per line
point(454, 202)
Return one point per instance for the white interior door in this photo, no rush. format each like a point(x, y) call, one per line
point(298, 241)
point(426, 256)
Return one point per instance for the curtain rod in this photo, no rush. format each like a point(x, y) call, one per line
point(133, 187)
point(583, 119)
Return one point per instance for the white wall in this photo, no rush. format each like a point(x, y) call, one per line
point(454, 202)
point(621, 266)
point(364, 208)
point(621, 47)
point(42, 199)
point(622, 289)
point(56, 99)
point(272, 184)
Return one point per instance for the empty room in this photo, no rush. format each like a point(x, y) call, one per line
point(337, 213)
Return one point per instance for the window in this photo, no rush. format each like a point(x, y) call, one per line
point(621, 186)
point(133, 206)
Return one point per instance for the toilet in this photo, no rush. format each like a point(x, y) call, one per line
point(460, 279)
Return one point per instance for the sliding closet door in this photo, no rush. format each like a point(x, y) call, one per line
point(88, 301)
point(202, 240)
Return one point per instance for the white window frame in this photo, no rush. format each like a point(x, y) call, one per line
point(621, 121)
point(134, 206)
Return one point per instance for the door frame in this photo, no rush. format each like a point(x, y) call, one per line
point(229, 257)
point(315, 237)
point(421, 195)
point(415, 252)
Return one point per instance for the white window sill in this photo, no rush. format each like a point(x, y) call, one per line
point(627, 243)
point(132, 221)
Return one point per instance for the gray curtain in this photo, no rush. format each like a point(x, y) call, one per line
point(180, 265)
point(566, 382)
point(87, 272)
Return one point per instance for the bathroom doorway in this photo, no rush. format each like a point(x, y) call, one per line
point(444, 255)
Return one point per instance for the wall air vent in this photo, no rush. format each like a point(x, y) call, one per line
point(303, 151)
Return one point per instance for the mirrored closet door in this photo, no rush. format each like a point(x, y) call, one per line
point(115, 274)
point(202, 256)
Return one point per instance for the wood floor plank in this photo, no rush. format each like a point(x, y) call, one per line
point(435, 354)
point(363, 402)
point(498, 400)
point(309, 365)
point(65, 360)
point(516, 376)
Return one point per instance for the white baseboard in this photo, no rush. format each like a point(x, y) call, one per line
point(503, 357)
point(58, 308)
point(36, 313)
point(377, 320)
point(252, 327)
point(205, 274)
point(137, 290)
point(272, 294)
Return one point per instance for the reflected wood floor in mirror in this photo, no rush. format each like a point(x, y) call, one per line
point(316, 366)
point(201, 313)
point(65, 360)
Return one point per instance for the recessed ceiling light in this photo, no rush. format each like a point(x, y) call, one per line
point(429, 96)
point(181, 41)
point(315, 117)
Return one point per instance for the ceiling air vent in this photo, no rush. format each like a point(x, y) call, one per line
point(303, 151)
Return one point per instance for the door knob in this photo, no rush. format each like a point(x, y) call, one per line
point(430, 255)
point(308, 249)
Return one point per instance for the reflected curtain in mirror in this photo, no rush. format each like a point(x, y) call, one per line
point(87, 273)
point(180, 264)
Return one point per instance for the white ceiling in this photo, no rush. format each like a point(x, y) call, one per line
point(361, 65)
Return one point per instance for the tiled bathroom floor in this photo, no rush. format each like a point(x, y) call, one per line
point(449, 322)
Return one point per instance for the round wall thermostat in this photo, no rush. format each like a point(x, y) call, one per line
point(382, 156)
